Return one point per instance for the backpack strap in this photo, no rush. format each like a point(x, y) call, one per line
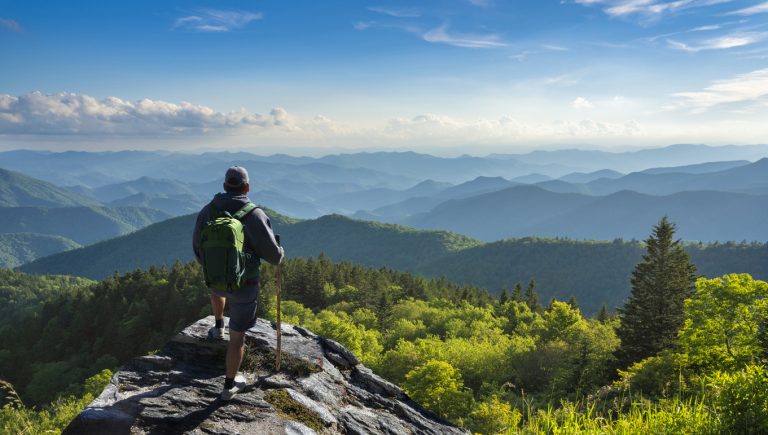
point(247, 208)
point(215, 211)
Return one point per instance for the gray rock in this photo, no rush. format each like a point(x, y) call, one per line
point(336, 348)
point(376, 384)
point(177, 391)
point(296, 428)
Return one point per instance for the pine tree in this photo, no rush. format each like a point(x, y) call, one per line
point(465, 295)
point(660, 284)
point(603, 315)
point(517, 293)
point(532, 298)
point(503, 298)
point(384, 311)
point(573, 302)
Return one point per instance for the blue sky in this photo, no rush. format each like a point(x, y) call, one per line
point(468, 76)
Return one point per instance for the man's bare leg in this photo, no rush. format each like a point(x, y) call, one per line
point(217, 306)
point(235, 351)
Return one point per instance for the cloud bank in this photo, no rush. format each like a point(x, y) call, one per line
point(73, 115)
point(66, 113)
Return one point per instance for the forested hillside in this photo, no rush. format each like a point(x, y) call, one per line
point(73, 328)
point(489, 365)
point(338, 237)
point(19, 248)
point(594, 272)
point(17, 190)
point(83, 225)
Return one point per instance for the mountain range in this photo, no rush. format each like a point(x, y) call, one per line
point(463, 217)
point(594, 272)
point(393, 169)
point(530, 210)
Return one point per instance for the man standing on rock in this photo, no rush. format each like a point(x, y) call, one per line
point(259, 243)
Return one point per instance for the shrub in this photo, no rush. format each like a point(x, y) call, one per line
point(658, 376)
point(493, 416)
point(741, 399)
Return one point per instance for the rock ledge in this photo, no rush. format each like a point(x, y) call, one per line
point(321, 388)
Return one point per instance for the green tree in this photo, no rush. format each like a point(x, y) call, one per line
point(494, 416)
point(661, 282)
point(573, 302)
point(603, 315)
point(722, 325)
point(762, 334)
point(438, 387)
point(532, 298)
point(517, 293)
point(503, 297)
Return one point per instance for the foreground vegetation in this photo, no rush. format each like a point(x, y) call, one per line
point(489, 365)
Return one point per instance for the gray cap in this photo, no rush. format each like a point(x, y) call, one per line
point(236, 177)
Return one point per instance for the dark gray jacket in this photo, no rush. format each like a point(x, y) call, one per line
point(259, 239)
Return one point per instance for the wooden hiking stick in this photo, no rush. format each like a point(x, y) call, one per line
point(279, 323)
point(279, 331)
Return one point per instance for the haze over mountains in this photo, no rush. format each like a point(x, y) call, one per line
point(422, 190)
point(54, 202)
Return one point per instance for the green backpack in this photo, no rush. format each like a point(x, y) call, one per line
point(222, 239)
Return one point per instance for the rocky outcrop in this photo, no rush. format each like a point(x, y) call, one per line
point(321, 388)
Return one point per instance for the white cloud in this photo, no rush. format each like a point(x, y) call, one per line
point(10, 25)
point(431, 127)
point(67, 113)
point(440, 35)
point(762, 8)
point(216, 20)
point(525, 54)
point(743, 88)
point(581, 103)
point(705, 28)
point(620, 8)
point(72, 118)
point(398, 13)
point(721, 42)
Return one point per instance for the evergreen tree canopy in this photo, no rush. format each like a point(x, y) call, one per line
point(503, 297)
point(517, 293)
point(603, 315)
point(660, 284)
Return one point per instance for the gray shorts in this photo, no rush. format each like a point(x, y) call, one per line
point(242, 305)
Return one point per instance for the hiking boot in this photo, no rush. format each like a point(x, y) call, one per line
point(216, 333)
point(238, 386)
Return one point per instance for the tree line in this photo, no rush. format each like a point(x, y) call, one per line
point(683, 352)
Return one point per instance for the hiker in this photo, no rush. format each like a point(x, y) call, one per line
point(260, 242)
